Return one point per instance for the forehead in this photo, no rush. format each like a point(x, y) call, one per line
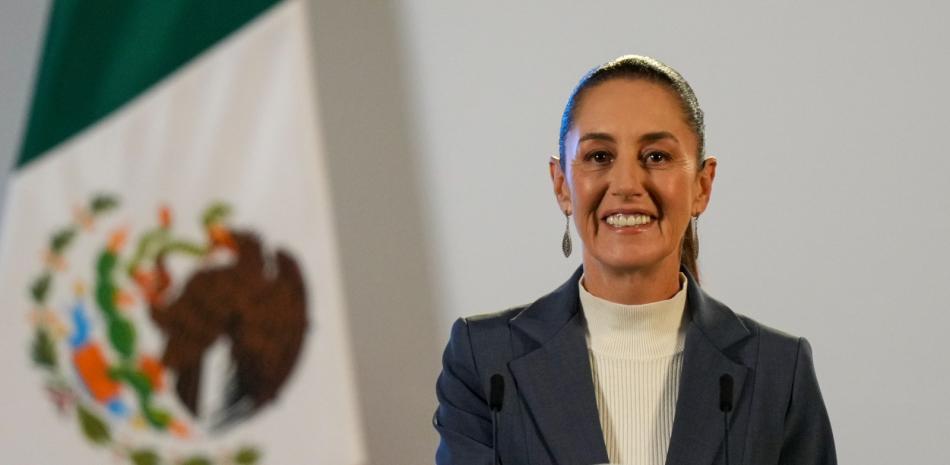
point(629, 105)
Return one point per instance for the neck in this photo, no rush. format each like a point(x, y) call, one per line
point(632, 286)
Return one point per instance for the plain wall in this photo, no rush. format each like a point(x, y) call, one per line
point(830, 216)
point(830, 213)
point(21, 26)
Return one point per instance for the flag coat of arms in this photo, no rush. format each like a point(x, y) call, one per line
point(168, 266)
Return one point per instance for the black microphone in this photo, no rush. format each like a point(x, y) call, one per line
point(725, 405)
point(496, 396)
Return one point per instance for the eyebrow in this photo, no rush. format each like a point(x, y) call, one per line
point(648, 137)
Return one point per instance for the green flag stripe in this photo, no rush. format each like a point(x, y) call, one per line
point(99, 54)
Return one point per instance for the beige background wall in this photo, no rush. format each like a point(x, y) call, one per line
point(830, 216)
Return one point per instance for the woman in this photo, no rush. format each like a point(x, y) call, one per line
point(630, 361)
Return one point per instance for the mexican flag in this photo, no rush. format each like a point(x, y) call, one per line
point(168, 266)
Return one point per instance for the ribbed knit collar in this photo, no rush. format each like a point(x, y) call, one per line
point(644, 331)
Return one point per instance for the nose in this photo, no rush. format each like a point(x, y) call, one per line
point(627, 177)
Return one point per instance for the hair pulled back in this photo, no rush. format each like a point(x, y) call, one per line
point(653, 70)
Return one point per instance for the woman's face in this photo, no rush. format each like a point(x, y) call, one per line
point(632, 177)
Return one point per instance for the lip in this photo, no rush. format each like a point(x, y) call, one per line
point(638, 229)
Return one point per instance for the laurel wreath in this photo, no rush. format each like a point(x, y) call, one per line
point(73, 401)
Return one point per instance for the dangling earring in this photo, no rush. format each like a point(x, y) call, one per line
point(566, 241)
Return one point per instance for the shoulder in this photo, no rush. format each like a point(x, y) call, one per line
point(477, 346)
point(730, 329)
point(776, 351)
point(485, 329)
point(743, 337)
point(485, 321)
point(770, 336)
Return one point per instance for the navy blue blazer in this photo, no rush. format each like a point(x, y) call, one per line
point(550, 413)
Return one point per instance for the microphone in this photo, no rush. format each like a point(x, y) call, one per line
point(725, 405)
point(496, 396)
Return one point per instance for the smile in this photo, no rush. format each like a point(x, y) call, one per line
point(620, 220)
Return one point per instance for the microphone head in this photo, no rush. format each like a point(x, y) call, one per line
point(725, 393)
point(497, 392)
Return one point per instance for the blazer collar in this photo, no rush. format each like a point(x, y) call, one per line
point(552, 370)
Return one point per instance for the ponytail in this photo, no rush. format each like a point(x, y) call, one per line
point(690, 250)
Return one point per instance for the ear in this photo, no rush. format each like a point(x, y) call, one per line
point(562, 191)
point(704, 184)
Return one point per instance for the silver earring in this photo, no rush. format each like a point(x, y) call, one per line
point(695, 228)
point(566, 241)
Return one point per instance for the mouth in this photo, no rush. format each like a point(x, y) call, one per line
point(629, 221)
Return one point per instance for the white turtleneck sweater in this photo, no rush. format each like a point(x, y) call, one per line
point(636, 354)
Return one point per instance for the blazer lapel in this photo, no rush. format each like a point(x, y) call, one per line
point(554, 377)
point(698, 424)
point(555, 380)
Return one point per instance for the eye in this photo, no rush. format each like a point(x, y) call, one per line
point(599, 157)
point(655, 157)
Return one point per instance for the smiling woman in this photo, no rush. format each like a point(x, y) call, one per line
point(630, 361)
point(636, 178)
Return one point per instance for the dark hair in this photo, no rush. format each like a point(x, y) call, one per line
point(653, 70)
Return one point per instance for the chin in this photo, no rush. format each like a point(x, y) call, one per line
point(629, 263)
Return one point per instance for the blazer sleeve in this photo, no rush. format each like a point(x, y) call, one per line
point(808, 439)
point(462, 419)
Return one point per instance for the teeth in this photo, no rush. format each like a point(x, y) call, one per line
point(620, 220)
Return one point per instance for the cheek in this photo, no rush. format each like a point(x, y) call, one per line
point(587, 192)
point(674, 194)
